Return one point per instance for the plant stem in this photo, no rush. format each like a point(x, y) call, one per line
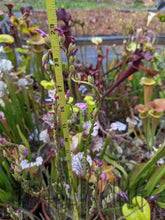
point(96, 111)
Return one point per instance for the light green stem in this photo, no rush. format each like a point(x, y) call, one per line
point(96, 111)
point(155, 121)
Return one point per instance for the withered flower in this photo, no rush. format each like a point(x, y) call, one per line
point(105, 177)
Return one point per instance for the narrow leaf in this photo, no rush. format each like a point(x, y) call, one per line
point(154, 180)
point(26, 143)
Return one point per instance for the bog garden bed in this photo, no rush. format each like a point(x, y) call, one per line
point(114, 167)
point(104, 22)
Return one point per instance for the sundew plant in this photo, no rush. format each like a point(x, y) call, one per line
point(114, 167)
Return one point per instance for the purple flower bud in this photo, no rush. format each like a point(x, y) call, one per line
point(74, 52)
point(56, 97)
point(1, 140)
point(11, 170)
point(60, 31)
point(43, 63)
point(26, 152)
point(42, 33)
point(67, 186)
point(122, 194)
point(18, 211)
point(72, 39)
point(104, 175)
point(67, 93)
point(92, 74)
point(7, 206)
point(100, 163)
point(82, 106)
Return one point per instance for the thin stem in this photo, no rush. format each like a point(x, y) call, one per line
point(148, 132)
point(44, 211)
point(98, 207)
point(96, 111)
point(56, 140)
point(113, 68)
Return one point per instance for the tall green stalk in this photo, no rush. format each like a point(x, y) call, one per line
point(52, 21)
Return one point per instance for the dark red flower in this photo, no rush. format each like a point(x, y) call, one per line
point(63, 15)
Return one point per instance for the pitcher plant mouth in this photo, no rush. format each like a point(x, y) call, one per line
point(143, 115)
point(147, 81)
point(154, 114)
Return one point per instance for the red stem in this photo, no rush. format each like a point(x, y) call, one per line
point(35, 207)
point(98, 207)
point(44, 211)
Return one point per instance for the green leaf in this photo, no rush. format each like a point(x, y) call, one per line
point(144, 171)
point(154, 180)
point(6, 197)
point(161, 204)
point(4, 181)
point(159, 189)
point(6, 168)
point(135, 172)
point(111, 209)
point(107, 142)
point(117, 166)
point(140, 209)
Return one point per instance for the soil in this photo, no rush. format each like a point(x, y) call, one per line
point(104, 22)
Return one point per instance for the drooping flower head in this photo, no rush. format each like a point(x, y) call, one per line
point(42, 33)
point(60, 31)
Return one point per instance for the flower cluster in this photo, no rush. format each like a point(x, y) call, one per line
point(5, 66)
point(26, 165)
